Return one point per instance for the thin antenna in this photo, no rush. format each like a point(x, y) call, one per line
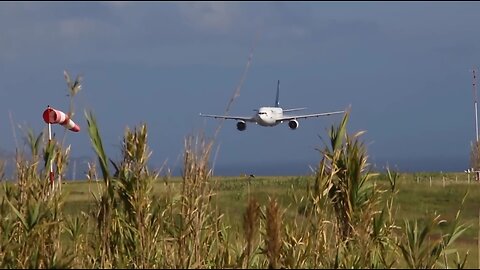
point(475, 104)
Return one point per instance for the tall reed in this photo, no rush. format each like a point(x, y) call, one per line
point(31, 214)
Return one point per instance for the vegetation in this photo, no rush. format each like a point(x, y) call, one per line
point(342, 216)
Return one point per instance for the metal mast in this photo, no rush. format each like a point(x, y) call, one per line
point(475, 164)
point(475, 104)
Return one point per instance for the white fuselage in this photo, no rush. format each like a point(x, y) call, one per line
point(267, 116)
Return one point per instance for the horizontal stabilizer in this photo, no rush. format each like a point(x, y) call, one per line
point(293, 110)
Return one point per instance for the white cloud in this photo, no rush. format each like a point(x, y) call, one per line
point(117, 4)
point(77, 27)
point(217, 16)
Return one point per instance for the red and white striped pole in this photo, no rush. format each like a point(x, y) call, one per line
point(52, 116)
point(51, 163)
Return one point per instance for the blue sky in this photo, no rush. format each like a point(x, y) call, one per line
point(404, 67)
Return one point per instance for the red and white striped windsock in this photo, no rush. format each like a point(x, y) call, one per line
point(52, 116)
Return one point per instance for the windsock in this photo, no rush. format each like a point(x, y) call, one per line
point(52, 116)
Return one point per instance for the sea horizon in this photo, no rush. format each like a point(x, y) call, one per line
point(78, 167)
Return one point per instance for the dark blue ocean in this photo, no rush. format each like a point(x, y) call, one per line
point(78, 167)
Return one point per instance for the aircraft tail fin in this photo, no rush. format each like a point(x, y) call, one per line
point(277, 103)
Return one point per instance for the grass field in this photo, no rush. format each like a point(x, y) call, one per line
point(419, 195)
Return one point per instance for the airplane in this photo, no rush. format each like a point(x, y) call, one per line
point(271, 116)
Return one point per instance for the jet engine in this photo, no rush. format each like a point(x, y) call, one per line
point(241, 125)
point(293, 124)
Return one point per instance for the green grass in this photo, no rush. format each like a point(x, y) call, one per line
point(414, 199)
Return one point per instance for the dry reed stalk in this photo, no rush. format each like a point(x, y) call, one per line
point(195, 198)
point(251, 224)
point(273, 239)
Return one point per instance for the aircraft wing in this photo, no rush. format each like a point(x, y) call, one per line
point(244, 118)
point(291, 117)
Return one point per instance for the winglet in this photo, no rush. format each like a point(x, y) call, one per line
point(277, 104)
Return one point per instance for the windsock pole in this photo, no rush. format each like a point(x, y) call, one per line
point(51, 175)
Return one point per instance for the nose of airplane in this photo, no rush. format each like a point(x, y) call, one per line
point(259, 117)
